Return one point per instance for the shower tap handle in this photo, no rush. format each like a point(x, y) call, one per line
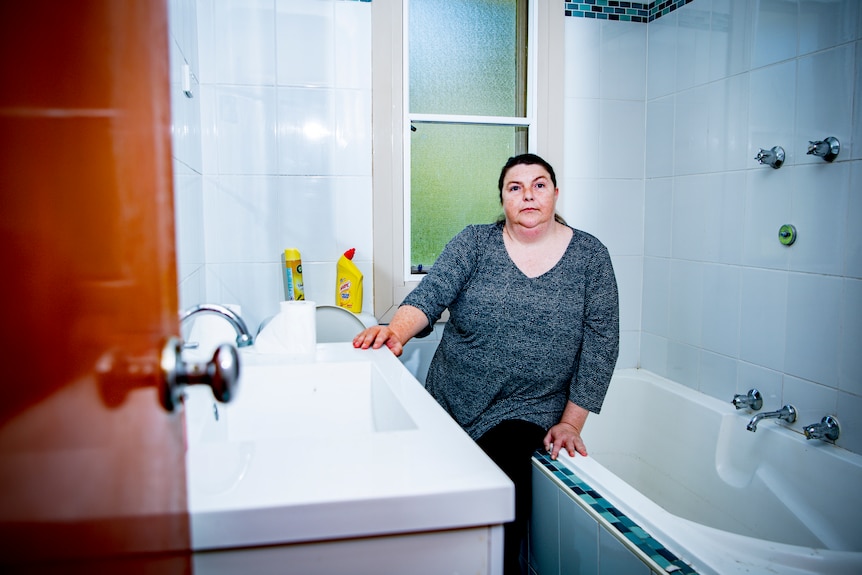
point(827, 149)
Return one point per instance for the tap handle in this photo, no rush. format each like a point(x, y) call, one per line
point(221, 373)
point(752, 400)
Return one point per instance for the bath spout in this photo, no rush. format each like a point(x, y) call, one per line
point(786, 413)
point(827, 429)
point(243, 336)
point(753, 400)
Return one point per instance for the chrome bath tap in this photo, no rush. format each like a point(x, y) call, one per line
point(786, 413)
point(243, 336)
point(827, 429)
point(753, 400)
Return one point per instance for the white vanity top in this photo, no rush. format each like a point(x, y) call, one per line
point(349, 445)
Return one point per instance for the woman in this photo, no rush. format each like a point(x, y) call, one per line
point(532, 337)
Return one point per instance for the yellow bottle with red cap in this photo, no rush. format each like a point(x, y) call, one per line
point(348, 283)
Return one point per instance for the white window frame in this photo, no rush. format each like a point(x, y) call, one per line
point(391, 125)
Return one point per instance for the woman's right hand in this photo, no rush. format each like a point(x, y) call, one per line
point(376, 336)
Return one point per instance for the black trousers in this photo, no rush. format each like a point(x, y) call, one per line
point(511, 445)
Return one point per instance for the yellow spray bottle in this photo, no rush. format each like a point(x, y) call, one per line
point(348, 283)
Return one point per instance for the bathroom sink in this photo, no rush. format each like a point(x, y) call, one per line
point(346, 445)
point(277, 402)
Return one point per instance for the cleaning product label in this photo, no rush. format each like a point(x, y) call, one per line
point(294, 290)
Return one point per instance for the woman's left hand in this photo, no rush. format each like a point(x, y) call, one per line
point(567, 434)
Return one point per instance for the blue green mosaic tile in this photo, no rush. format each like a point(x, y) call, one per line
point(638, 536)
point(623, 10)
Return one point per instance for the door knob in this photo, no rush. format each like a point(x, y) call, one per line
point(221, 373)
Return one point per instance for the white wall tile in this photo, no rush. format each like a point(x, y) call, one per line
point(580, 204)
point(629, 273)
point(660, 137)
point(583, 52)
point(243, 42)
point(813, 327)
point(654, 353)
point(853, 243)
point(824, 24)
point(621, 139)
point(727, 124)
point(772, 109)
point(691, 126)
point(849, 408)
point(245, 129)
point(685, 312)
point(656, 296)
point(763, 317)
point(620, 206)
point(352, 46)
point(658, 212)
point(731, 38)
point(623, 58)
point(819, 212)
point(768, 196)
point(717, 375)
point(767, 381)
point(691, 197)
point(811, 400)
point(850, 360)
point(775, 31)
point(241, 220)
point(581, 137)
point(722, 292)
point(692, 46)
point(683, 363)
point(661, 56)
point(300, 24)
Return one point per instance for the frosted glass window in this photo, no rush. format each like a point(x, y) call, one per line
point(468, 109)
point(454, 173)
point(466, 57)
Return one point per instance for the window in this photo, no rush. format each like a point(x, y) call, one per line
point(419, 169)
point(468, 107)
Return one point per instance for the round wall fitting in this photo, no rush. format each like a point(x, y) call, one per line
point(787, 234)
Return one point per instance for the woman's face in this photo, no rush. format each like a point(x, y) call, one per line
point(529, 195)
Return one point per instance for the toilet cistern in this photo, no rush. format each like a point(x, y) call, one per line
point(786, 413)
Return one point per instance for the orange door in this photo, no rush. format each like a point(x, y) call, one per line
point(91, 467)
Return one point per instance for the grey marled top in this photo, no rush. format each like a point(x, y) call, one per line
point(518, 347)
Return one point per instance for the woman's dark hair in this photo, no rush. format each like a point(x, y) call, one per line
point(528, 159)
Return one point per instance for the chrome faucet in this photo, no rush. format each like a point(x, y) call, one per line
point(827, 429)
point(753, 400)
point(243, 336)
point(786, 413)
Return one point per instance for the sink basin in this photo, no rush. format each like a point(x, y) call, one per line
point(299, 400)
point(348, 445)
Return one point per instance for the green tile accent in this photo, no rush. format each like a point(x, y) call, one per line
point(637, 535)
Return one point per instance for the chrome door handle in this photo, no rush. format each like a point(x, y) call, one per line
point(221, 373)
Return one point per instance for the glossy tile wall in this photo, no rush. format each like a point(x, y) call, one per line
point(661, 167)
point(283, 104)
point(662, 123)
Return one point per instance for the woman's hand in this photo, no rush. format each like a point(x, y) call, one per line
point(564, 436)
point(567, 434)
point(407, 322)
point(376, 336)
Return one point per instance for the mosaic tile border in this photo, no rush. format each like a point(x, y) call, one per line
point(622, 10)
point(630, 530)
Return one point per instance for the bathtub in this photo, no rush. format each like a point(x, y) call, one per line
point(683, 467)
